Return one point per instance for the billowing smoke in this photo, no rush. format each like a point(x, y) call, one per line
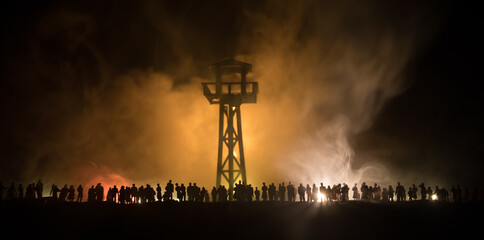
point(325, 72)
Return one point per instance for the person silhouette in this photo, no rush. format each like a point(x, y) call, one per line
point(315, 192)
point(129, 197)
point(220, 194)
point(39, 188)
point(257, 194)
point(169, 190)
point(302, 192)
point(134, 193)
point(158, 192)
point(178, 192)
point(214, 194)
point(249, 193)
point(114, 194)
point(190, 192)
point(99, 192)
point(264, 191)
point(364, 191)
point(141, 194)
point(438, 193)
point(356, 194)
point(183, 192)
point(271, 191)
point(70, 195)
point(322, 190)
point(385, 194)
point(391, 193)
point(400, 190)
point(291, 192)
point(282, 192)
point(63, 193)
point(122, 195)
point(80, 191)
point(429, 192)
point(344, 192)
point(423, 191)
point(308, 193)
point(53, 191)
point(91, 194)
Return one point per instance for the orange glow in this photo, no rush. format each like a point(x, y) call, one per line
point(107, 181)
point(321, 197)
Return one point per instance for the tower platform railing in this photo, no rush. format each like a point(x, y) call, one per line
point(231, 92)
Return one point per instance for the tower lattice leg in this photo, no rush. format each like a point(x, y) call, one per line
point(230, 165)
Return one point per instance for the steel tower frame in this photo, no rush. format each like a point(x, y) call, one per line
point(230, 95)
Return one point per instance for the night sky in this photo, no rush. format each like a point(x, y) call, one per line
point(93, 91)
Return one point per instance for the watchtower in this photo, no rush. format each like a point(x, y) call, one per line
point(229, 91)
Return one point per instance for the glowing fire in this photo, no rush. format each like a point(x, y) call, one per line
point(321, 197)
point(107, 181)
point(434, 196)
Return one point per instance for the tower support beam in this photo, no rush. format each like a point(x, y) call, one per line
point(230, 95)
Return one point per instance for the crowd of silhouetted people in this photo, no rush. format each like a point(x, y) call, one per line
point(241, 192)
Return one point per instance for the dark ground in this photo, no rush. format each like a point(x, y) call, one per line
point(268, 220)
